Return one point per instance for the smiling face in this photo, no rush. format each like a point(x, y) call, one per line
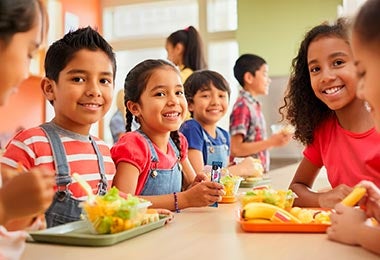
point(162, 106)
point(83, 93)
point(209, 105)
point(15, 58)
point(367, 60)
point(332, 71)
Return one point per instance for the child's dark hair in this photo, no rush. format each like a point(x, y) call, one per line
point(18, 16)
point(247, 63)
point(192, 42)
point(135, 84)
point(61, 52)
point(201, 80)
point(367, 23)
point(301, 107)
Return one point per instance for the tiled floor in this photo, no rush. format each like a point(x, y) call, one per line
point(276, 163)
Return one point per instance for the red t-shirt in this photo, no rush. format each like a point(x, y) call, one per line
point(348, 157)
point(133, 148)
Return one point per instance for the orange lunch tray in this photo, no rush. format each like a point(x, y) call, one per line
point(248, 226)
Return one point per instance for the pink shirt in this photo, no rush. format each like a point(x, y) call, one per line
point(134, 149)
point(348, 157)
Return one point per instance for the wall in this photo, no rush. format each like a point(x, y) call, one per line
point(23, 109)
point(273, 29)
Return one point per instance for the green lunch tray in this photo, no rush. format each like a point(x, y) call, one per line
point(251, 184)
point(78, 233)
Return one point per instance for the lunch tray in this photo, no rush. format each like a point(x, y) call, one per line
point(79, 233)
point(283, 227)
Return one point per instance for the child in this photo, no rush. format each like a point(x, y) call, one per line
point(23, 27)
point(185, 49)
point(247, 123)
point(207, 94)
point(80, 70)
point(117, 122)
point(149, 161)
point(349, 224)
point(329, 119)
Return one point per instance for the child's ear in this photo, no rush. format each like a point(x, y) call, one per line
point(179, 49)
point(134, 108)
point(190, 106)
point(248, 77)
point(47, 86)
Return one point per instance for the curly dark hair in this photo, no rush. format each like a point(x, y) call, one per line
point(301, 107)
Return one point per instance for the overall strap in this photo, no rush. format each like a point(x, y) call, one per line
point(63, 177)
point(222, 137)
point(102, 186)
point(154, 157)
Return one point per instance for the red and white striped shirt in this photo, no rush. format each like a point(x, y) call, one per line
point(31, 148)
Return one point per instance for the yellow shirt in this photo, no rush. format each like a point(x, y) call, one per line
point(185, 73)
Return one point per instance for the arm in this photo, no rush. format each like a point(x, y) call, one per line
point(372, 201)
point(188, 173)
point(239, 148)
point(302, 185)
point(348, 225)
point(26, 195)
point(196, 159)
point(201, 194)
point(126, 178)
point(248, 167)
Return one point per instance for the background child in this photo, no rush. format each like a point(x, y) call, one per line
point(185, 50)
point(349, 225)
point(321, 103)
point(80, 70)
point(247, 122)
point(117, 122)
point(207, 94)
point(149, 161)
point(23, 27)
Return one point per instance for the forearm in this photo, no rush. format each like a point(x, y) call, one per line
point(306, 196)
point(368, 237)
point(249, 148)
point(167, 201)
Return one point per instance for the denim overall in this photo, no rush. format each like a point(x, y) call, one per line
point(162, 181)
point(64, 208)
point(219, 152)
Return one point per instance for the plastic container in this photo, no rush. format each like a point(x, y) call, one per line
point(112, 213)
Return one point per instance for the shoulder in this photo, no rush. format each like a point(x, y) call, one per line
point(31, 134)
point(185, 73)
point(190, 125)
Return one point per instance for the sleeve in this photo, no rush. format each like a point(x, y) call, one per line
point(132, 148)
point(184, 146)
point(22, 150)
point(193, 133)
point(240, 119)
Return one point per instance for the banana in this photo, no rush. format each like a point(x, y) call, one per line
point(356, 194)
point(260, 210)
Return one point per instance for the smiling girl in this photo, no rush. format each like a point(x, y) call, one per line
point(152, 161)
point(330, 120)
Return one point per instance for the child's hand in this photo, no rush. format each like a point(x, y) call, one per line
point(249, 167)
point(371, 203)
point(330, 198)
point(204, 193)
point(166, 212)
point(27, 194)
point(280, 139)
point(344, 224)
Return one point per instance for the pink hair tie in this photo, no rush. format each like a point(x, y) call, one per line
point(187, 29)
